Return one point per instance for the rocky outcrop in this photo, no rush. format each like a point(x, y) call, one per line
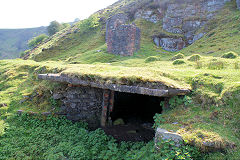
point(148, 15)
point(183, 17)
point(238, 4)
point(170, 44)
point(122, 39)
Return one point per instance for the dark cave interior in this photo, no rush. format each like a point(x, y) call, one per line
point(135, 107)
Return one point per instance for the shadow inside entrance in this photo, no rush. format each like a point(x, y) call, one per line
point(132, 117)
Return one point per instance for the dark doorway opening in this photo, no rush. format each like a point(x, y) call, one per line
point(136, 111)
point(135, 108)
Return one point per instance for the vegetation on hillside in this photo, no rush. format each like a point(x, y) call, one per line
point(37, 40)
point(55, 27)
point(14, 41)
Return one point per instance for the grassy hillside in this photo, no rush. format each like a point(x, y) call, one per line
point(210, 114)
point(14, 41)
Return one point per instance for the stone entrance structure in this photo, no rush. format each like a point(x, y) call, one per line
point(93, 102)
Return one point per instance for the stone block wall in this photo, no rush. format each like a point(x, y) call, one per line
point(83, 103)
point(122, 39)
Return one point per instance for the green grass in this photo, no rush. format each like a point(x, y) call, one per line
point(29, 137)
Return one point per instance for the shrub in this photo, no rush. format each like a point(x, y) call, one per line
point(37, 40)
point(65, 25)
point(216, 65)
point(178, 56)
point(195, 57)
point(178, 62)
point(89, 23)
point(229, 55)
point(152, 59)
point(53, 28)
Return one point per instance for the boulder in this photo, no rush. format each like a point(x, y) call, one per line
point(162, 135)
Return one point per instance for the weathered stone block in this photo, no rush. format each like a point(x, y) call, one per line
point(162, 135)
point(122, 39)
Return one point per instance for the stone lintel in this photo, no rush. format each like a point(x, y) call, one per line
point(115, 87)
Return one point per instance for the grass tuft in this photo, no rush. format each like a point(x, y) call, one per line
point(195, 57)
point(178, 62)
point(216, 65)
point(152, 59)
point(178, 56)
point(230, 55)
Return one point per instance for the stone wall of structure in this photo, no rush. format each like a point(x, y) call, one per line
point(122, 39)
point(82, 103)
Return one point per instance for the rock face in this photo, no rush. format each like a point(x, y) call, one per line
point(122, 39)
point(238, 4)
point(182, 17)
point(162, 134)
point(83, 103)
point(147, 15)
point(170, 44)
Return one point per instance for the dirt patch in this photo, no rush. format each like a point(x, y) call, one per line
point(129, 132)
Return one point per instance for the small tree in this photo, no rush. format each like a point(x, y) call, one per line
point(36, 40)
point(53, 28)
point(65, 25)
